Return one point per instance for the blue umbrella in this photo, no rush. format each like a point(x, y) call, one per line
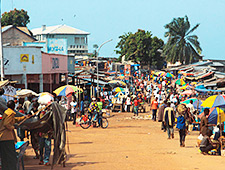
point(117, 95)
point(197, 104)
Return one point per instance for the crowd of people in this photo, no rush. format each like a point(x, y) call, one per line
point(163, 97)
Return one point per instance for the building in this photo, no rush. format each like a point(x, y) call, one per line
point(34, 69)
point(15, 36)
point(75, 41)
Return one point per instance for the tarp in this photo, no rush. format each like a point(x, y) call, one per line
point(53, 120)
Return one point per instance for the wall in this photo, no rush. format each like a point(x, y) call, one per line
point(54, 63)
point(36, 44)
point(71, 64)
point(15, 37)
point(15, 60)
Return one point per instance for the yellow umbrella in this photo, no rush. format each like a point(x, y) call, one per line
point(117, 82)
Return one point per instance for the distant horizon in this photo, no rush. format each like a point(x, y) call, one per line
point(108, 20)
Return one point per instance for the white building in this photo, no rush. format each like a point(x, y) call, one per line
point(77, 40)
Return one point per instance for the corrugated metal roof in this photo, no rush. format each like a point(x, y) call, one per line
point(217, 64)
point(58, 29)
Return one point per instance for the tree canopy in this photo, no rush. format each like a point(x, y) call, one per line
point(181, 45)
point(140, 47)
point(15, 17)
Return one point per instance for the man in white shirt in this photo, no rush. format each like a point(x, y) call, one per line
point(191, 106)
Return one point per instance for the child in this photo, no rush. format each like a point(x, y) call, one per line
point(206, 143)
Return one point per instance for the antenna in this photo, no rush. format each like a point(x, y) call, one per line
point(62, 21)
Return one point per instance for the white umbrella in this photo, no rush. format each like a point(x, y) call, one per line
point(46, 99)
point(25, 93)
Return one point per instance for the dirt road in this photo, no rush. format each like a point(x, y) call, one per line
point(130, 145)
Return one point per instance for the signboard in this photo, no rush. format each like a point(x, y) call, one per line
point(57, 46)
point(24, 57)
point(19, 60)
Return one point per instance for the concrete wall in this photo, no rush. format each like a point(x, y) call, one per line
point(15, 37)
point(15, 60)
point(54, 63)
point(71, 64)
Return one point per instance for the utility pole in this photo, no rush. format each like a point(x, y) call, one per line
point(97, 65)
point(1, 50)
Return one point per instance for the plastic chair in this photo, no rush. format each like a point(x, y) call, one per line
point(21, 152)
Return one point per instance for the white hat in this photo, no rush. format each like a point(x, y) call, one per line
point(93, 98)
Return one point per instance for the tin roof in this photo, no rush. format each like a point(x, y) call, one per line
point(58, 29)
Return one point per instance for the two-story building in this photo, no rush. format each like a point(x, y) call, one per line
point(72, 40)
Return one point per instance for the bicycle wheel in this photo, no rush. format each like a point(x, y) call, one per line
point(104, 122)
point(85, 123)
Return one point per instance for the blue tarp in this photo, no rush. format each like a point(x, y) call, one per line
point(206, 90)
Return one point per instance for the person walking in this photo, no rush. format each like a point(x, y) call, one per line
point(161, 113)
point(154, 107)
point(182, 129)
point(128, 103)
point(169, 120)
point(136, 106)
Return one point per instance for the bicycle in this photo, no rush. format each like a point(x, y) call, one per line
point(86, 121)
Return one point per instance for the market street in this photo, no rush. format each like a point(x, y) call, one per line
point(130, 144)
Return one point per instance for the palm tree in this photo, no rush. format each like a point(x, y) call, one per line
point(181, 45)
point(95, 46)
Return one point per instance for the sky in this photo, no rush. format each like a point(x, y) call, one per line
point(108, 19)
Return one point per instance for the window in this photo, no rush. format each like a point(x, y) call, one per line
point(80, 46)
point(77, 40)
point(74, 46)
point(82, 40)
point(71, 46)
point(77, 46)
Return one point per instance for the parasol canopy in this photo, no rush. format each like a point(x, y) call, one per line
point(117, 82)
point(121, 94)
point(168, 75)
point(214, 116)
point(180, 82)
point(25, 93)
point(214, 101)
point(66, 90)
point(45, 98)
point(188, 100)
point(118, 89)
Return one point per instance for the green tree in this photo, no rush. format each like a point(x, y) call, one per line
point(181, 45)
point(140, 47)
point(16, 18)
point(95, 46)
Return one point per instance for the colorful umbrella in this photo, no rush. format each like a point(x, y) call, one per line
point(122, 94)
point(188, 100)
point(214, 116)
point(168, 75)
point(197, 104)
point(118, 82)
point(185, 87)
point(45, 99)
point(214, 101)
point(66, 90)
point(118, 89)
point(45, 93)
point(180, 82)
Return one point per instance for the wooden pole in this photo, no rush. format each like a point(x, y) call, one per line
point(34, 114)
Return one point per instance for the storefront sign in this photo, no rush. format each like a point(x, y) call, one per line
point(24, 57)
